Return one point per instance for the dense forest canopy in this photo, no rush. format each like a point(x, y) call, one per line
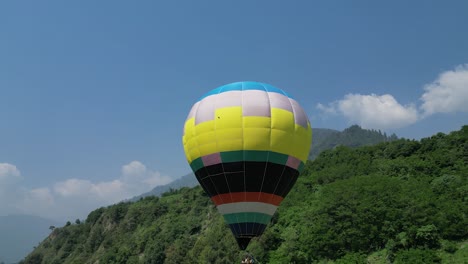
point(401, 201)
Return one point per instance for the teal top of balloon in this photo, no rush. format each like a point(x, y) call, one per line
point(243, 86)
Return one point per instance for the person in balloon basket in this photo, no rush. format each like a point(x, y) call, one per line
point(247, 260)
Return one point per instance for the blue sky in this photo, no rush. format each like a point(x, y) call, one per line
point(94, 94)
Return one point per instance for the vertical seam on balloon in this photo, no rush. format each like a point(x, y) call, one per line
point(291, 179)
point(243, 147)
point(217, 144)
point(268, 153)
point(284, 168)
point(294, 113)
point(255, 218)
point(208, 175)
point(277, 184)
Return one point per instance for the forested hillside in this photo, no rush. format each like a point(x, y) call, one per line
point(403, 201)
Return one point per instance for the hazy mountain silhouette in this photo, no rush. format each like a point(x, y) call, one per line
point(19, 234)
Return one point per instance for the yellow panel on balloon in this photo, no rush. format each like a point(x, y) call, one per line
point(207, 149)
point(228, 117)
point(295, 148)
point(204, 127)
point(298, 148)
point(282, 119)
point(281, 142)
point(206, 138)
point(191, 142)
point(301, 144)
point(228, 134)
point(257, 138)
point(257, 121)
point(230, 145)
point(186, 152)
point(194, 152)
point(189, 127)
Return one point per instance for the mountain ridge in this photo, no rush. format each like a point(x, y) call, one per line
point(188, 180)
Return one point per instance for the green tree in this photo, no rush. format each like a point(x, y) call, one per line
point(417, 256)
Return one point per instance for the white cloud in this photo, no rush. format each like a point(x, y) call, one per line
point(8, 172)
point(373, 111)
point(115, 190)
point(10, 177)
point(137, 172)
point(329, 110)
point(449, 93)
point(134, 168)
point(75, 198)
point(72, 187)
point(41, 194)
point(154, 179)
point(136, 176)
point(36, 202)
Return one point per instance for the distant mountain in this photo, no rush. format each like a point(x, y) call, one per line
point(188, 180)
point(19, 234)
point(354, 136)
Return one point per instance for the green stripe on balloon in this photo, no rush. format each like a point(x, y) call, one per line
point(197, 164)
point(301, 167)
point(248, 217)
point(247, 155)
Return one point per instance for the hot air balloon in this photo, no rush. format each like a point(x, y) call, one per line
point(247, 142)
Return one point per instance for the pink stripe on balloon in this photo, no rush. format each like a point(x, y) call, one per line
point(293, 162)
point(211, 159)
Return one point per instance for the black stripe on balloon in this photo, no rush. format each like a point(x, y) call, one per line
point(247, 229)
point(229, 177)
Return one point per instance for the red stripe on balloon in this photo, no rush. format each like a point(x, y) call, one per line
point(247, 197)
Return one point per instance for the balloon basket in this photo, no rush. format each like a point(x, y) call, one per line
point(248, 258)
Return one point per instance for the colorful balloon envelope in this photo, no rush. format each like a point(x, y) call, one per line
point(247, 142)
